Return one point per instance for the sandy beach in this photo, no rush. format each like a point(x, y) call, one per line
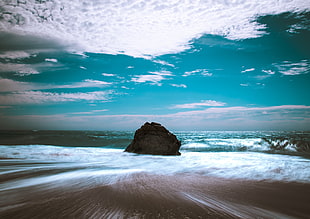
point(157, 196)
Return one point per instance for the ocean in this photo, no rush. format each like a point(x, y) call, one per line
point(87, 174)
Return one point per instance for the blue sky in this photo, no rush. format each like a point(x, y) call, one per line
point(190, 65)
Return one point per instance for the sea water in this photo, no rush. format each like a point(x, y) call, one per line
point(282, 156)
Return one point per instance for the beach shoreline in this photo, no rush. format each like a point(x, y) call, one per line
point(142, 195)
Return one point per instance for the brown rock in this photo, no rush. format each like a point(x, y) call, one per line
point(153, 138)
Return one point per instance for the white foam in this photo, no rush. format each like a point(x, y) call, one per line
point(105, 176)
point(139, 28)
point(251, 144)
point(194, 145)
point(94, 162)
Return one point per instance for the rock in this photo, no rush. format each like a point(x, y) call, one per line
point(153, 138)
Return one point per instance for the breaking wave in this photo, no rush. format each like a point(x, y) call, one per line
point(271, 142)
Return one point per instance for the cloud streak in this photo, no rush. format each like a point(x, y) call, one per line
point(39, 97)
point(179, 85)
point(8, 55)
point(203, 103)
point(8, 85)
point(244, 111)
point(248, 70)
point(90, 112)
point(203, 72)
point(154, 77)
point(21, 69)
point(293, 68)
point(284, 117)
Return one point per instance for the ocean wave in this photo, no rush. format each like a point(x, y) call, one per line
point(295, 143)
point(286, 144)
point(224, 145)
point(256, 145)
point(269, 142)
point(98, 161)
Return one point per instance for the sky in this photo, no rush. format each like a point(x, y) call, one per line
point(187, 64)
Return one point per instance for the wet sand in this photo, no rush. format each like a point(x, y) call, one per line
point(157, 196)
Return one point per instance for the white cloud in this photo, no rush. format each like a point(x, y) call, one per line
point(269, 72)
point(203, 103)
point(15, 55)
point(295, 28)
point(240, 111)
point(287, 117)
point(203, 72)
point(51, 60)
point(154, 77)
point(248, 70)
point(21, 69)
point(293, 68)
point(262, 77)
point(85, 83)
point(38, 97)
point(139, 28)
point(8, 85)
point(179, 85)
point(164, 73)
point(164, 63)
point(97, 82)
point(108, 75)
point(28, 71)
point(90, 112)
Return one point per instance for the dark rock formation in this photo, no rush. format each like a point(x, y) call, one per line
point(153, 138)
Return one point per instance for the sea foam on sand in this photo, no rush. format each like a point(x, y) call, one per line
point(142, 195)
